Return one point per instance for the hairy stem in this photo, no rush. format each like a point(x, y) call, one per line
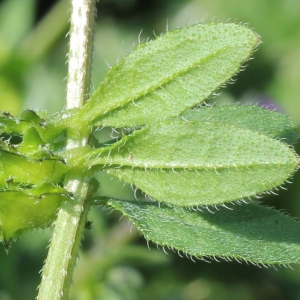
point(71, 218)
point(80, 53)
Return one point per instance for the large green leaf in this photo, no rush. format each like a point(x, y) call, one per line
point(247, 232)
point(166, 76)
point(193, 163)
point(271, 123)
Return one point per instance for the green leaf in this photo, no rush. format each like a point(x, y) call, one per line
point(271, 123)
point(20, 211)
point(32, 135)
point(24, 170)
point(165, 77)
point(33, 117)
point(247, 232)
point(192, 163)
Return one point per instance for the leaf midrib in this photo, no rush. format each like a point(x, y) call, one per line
point(160, 84)
point(114, 165)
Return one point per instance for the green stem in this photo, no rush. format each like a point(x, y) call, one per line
point(71, 218)
point(80, 53)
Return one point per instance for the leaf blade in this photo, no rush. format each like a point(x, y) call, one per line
point(249, 232)
point(22, 210)
point(29, 171)
point(192, 163)
point(271, 123)
point(169, 75)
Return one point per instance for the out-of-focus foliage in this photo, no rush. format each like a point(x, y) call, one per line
point(112, 264)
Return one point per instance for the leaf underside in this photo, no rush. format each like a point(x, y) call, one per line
point(245, 232)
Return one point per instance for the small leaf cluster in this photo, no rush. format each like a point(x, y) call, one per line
point(182, 155)
point(32, 172)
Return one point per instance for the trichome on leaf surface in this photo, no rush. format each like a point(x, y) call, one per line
point(182, 155)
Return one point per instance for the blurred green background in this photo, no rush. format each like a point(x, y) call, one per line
point(115, 262)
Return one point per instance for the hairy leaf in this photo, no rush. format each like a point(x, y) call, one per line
point(164, 77)
point(24, 170)
point(193, 163)
point(32, 135)
point(20, 211)
point(247, 232)
point(271, 123)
